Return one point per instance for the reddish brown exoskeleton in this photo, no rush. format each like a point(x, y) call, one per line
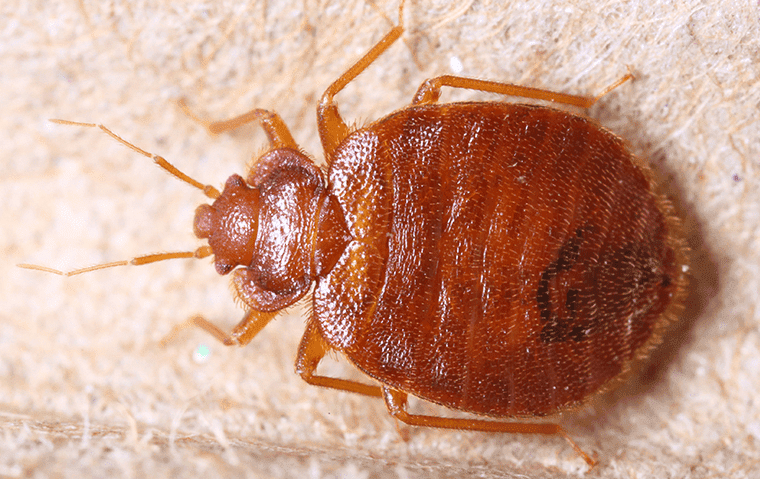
point(501, 259)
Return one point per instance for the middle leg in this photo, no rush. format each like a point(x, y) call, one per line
point(311, 351)
point(332, 128)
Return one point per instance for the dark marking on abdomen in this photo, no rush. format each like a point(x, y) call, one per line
point(559, 329)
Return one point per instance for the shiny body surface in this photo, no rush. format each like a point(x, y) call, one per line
point(501, 259)
point(505, 259)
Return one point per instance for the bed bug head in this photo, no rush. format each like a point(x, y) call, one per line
point(278, 229)
point(230, 224)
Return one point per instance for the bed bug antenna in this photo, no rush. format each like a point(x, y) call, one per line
point(208, 190)
point(201, 252)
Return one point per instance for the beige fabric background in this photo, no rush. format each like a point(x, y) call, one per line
point(85, 388)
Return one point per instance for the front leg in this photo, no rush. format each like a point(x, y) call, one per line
point(275, 129)
point(251, 324)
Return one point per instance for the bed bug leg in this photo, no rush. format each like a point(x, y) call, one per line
point(275, 129)
point(396, 402)
point(251, 324)
point(311, 351)
point(332, 128)
point(430, 90)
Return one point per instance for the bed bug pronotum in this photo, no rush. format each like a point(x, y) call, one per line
point(501, 259)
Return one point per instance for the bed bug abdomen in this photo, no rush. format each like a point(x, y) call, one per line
point(507, 259)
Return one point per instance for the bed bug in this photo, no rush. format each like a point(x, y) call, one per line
point(507, 260)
